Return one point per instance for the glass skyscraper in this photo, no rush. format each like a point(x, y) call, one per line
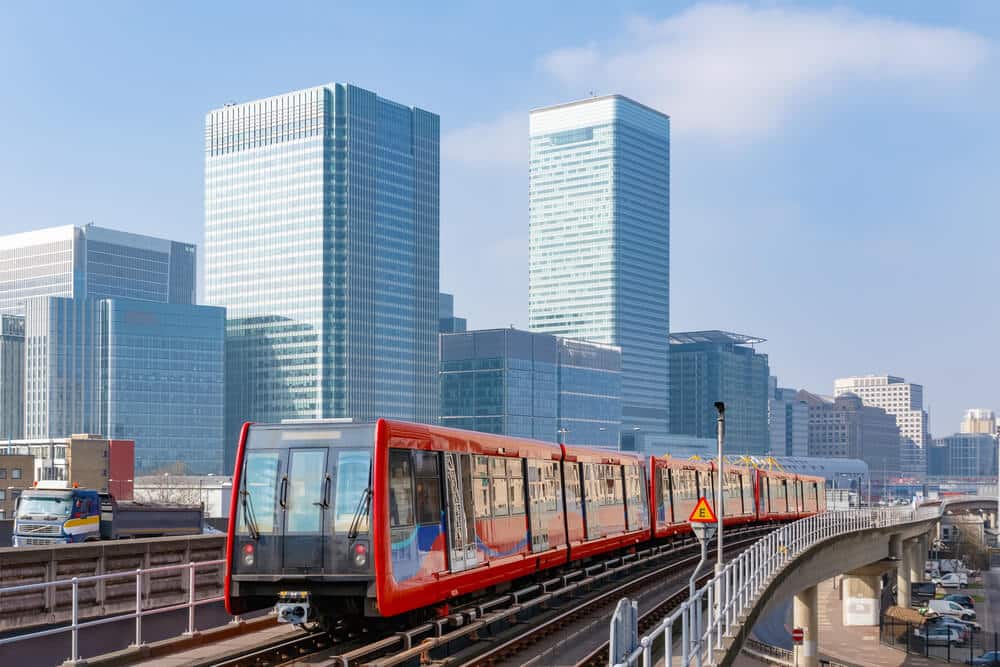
point(90, 261)
point(599, 254)
point(531, 385)
point(321, 240)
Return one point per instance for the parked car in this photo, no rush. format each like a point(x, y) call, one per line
point(963, 628)
point(991, 658)
point(949, 608)
point(952, 580)
point(963, 599)
point(939, 635)
point(923, 589)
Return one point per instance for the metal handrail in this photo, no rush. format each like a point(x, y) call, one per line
point(140, 611)
point(709, 617)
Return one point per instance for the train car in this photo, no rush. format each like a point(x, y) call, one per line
point(612, 509)
point(334, 522)
point(737, 494)
point(675, 486)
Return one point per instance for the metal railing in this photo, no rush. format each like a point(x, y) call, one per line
point(140, 611)
point(712, 615)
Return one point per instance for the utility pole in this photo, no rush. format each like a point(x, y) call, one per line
point(720, 429)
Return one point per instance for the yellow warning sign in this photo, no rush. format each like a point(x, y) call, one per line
point(702, 512)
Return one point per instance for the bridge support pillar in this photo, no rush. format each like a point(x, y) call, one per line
point(923, 546)
point(903, 567)
point(862, 591)
point(805, 615)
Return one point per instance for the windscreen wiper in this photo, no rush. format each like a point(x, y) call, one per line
point(360, 512)
point(249, 518)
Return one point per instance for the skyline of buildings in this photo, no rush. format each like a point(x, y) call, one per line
point(599, 240)
point(845, 427)
point(321, 241)
point(322, 236)
point(979, 420)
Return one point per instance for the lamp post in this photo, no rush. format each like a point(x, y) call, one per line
point(720, 432)
point(562, 435)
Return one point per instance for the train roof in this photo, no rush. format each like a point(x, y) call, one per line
point(452, 439)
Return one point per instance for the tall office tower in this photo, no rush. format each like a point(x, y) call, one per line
point(321, 240)
point(95, 262)
point(599, 250)
point(11, 377)
point(979, 420)
point(905, 401)
point(710, 366)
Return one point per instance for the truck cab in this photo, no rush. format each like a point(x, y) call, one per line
point(54, 513)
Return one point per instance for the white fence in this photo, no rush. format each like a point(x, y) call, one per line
point(75, 625)
point(704, 622)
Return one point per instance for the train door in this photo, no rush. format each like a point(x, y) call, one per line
point(461, 521)
point(304, 497)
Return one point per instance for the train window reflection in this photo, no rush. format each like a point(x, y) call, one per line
point(353, 473)
point(261, 487)
point(307, 468)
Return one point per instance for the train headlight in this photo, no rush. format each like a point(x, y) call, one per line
point(360, 554)
point(248, 553)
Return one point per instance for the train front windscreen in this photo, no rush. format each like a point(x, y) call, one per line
point(304, 501)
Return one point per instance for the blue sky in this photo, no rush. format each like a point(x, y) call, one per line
point(834, 166)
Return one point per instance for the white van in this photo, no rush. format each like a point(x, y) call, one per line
point(952, 580)
point(949, 608)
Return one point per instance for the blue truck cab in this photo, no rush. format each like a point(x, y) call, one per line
point(54, 513)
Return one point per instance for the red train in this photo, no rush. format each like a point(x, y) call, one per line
point(335, 522)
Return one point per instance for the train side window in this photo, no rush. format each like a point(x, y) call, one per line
point(428, 486)
point(425, 464)
point(516, 495)
point(572, 474)
point(514, 468)
point(499, 486)
point(400, 488)
point(498, 467)
point(480, 466)
point(481, 486)
point(428, 500)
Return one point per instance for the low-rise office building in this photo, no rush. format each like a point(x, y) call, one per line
point(88, 460)
point(16, 474)
point(964, 455)
point(531, 385)
point(710, 366)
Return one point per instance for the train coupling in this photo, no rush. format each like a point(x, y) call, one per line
point(292, 607)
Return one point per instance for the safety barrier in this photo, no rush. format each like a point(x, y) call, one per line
point(710, 616)
point(140, 576)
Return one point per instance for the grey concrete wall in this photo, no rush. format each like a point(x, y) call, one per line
point(53, 605)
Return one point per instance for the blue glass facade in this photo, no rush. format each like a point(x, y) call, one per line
point(710, 366)
point(599, 189)
point(138, 370)
point(163, 383)
point(530, 385)
point(321, 240)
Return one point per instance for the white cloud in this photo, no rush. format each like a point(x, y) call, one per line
point(731, 71)
point(503, 140)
